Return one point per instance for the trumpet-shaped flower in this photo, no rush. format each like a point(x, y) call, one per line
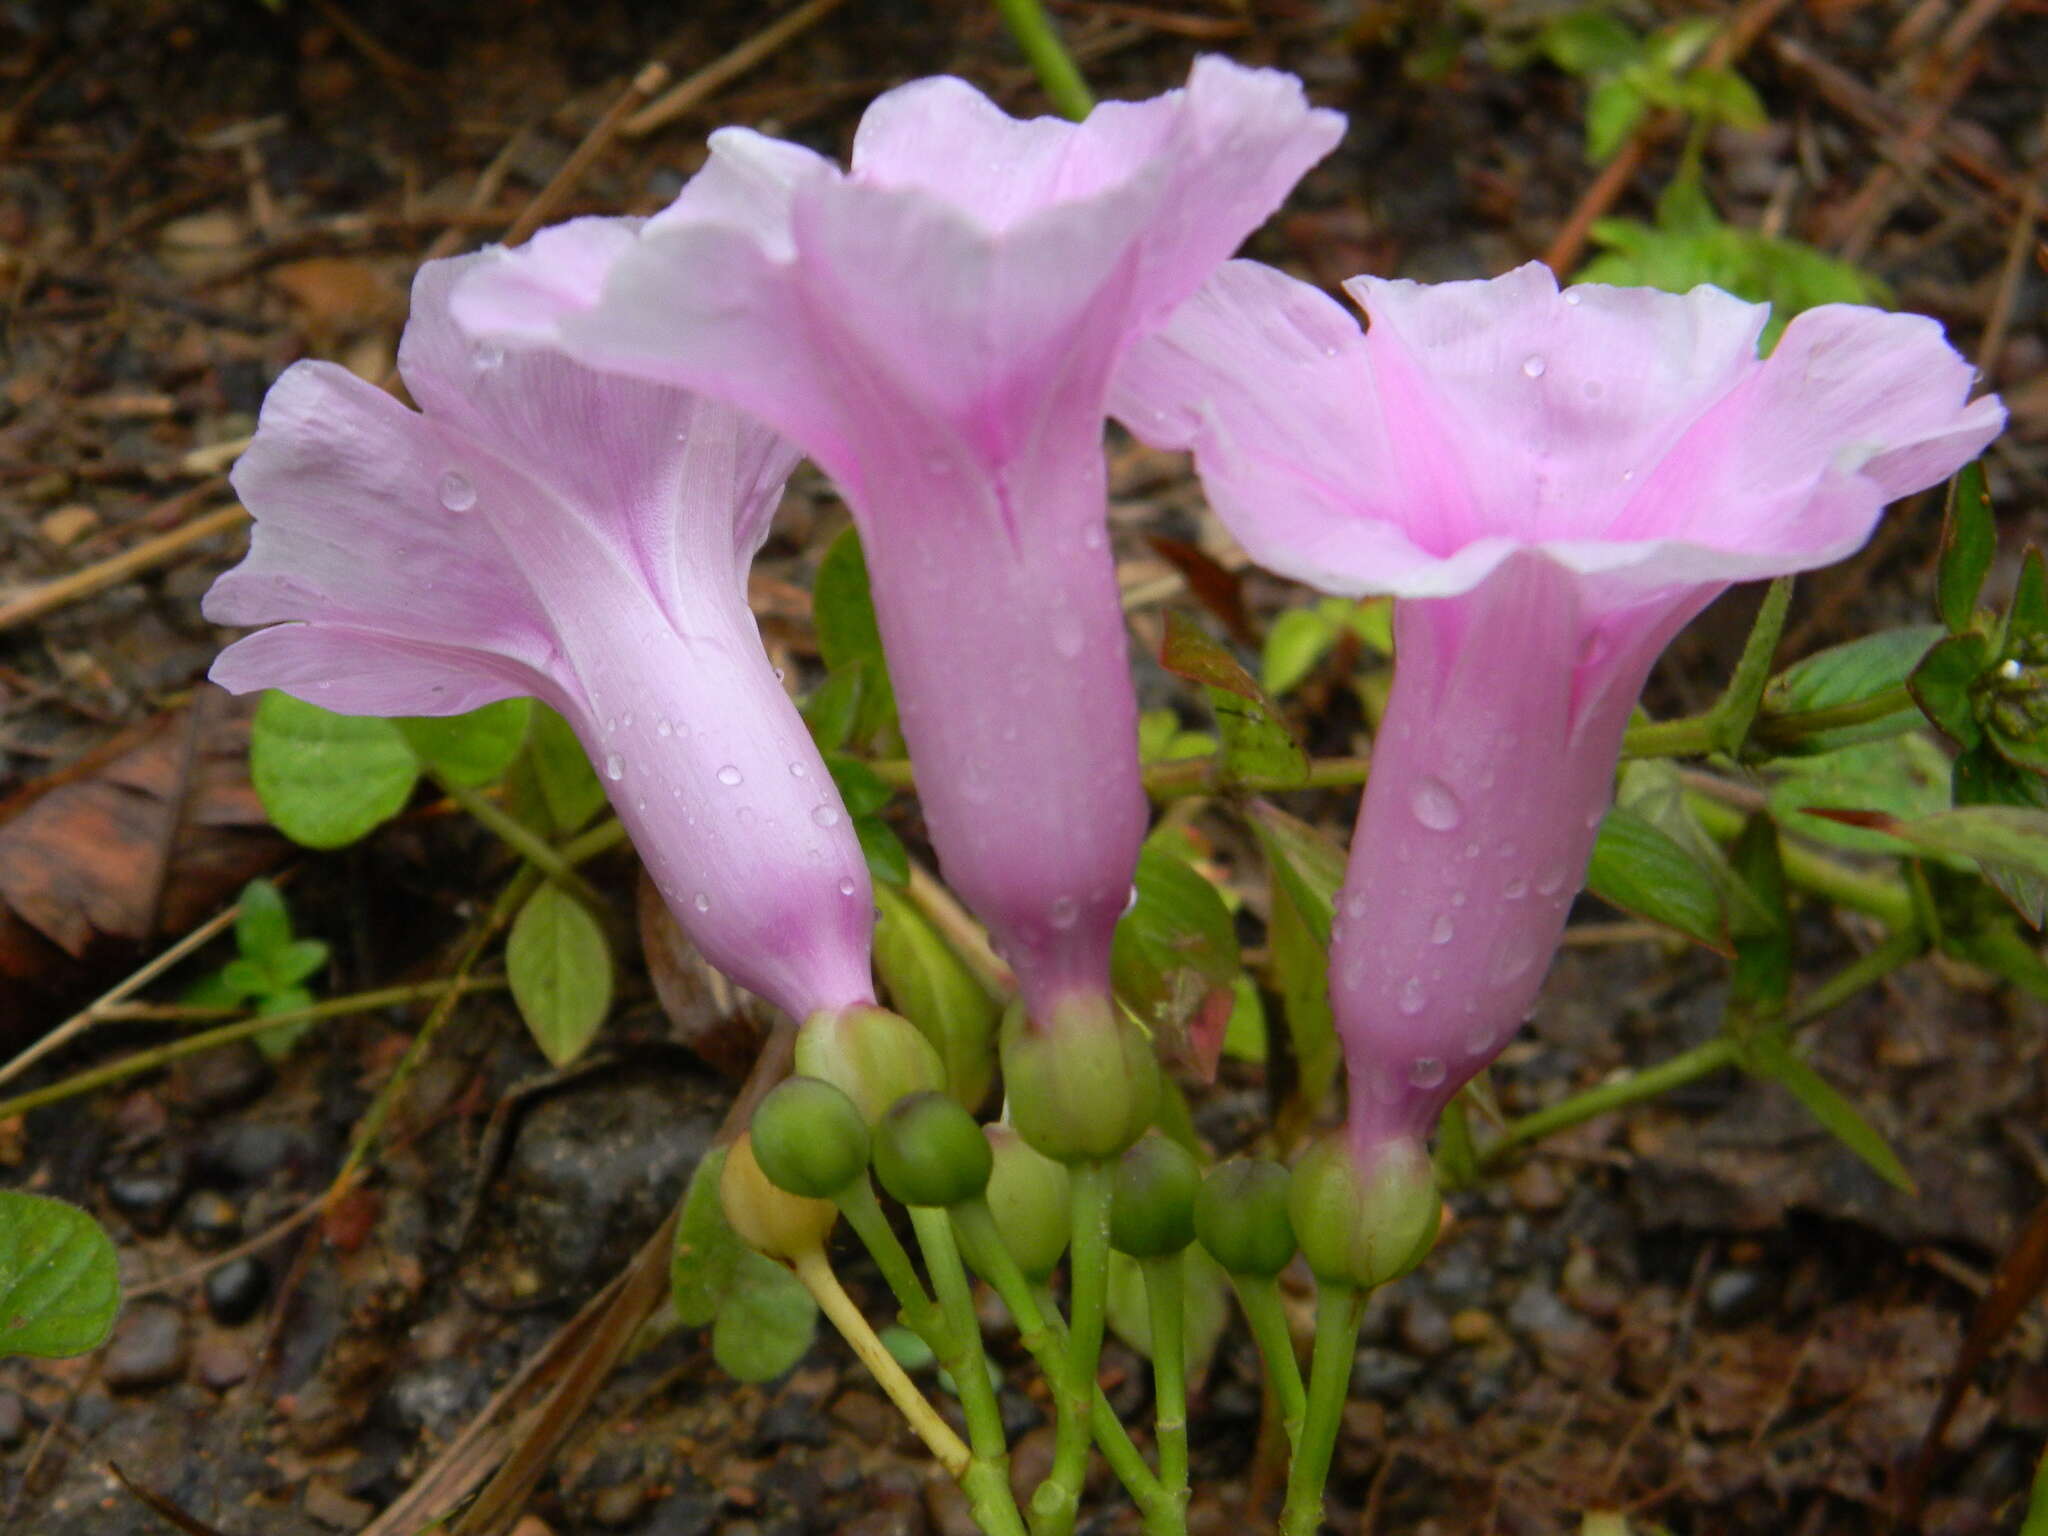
point(937, 326)
point(1551, 484)
point(542, 529)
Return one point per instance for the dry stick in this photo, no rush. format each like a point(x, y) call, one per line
point(1569, 244)
point(1905, 158)
point(652, 77)
point(49, 597)
point(2014, 267)
point(693, 92)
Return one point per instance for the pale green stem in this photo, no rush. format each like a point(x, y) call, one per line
point(1259, 1295)
point(1035, 34)
point(1165, 1297)
point(963, 1355)
point(1339, 1310)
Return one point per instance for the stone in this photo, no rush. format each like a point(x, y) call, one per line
point(235, 1290)
point(692, 1510)
point(146, 1191)
point(214, 1082)
point(210, 1220)
point(1736, 1296)
point(619, 1506)
point(148, 1349)
point(13, 1420)
point(220, 1363)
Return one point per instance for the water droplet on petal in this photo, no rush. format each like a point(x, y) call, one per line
point(614, 766)
point(1515, 889)
point(457, 494)
point(1573, 297)
point(1435, 806)
point(780, 674)
point(626, 720)
point(729, 775)
point(1442, 929)
point(1131, 902)
point(1094, 536)
point(797, 770)
point(1551, 883)
point(1067, 638)
point(662, 727)
point(825, 816)
point(1063, 912)
point(1533, 366)
point(701, 901)
point(489, 355)
point(1427, 1072)
point(1412, 999)
point(846, 886)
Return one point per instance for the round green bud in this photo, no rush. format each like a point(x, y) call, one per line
point(871, 1055)
point(1241, 1217)
point(1083, 1084)
point(1364, 1218)
point(1031, 1198)
point(809, 1138)
point(1152, 1203)
point(768, 1219)
point(929, 1151)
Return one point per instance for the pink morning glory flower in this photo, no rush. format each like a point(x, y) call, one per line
point(937, 326)
point(538, 528)
point(1551, 484)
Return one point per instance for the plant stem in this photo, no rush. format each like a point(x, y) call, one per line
point(1796, 725)
point(1704, 1059)
point(963, 1355)
point(1339, 1310)
point(1165, 1296)
point(1055, 1500)
point(228, 1034)
point(1038, 1328)
point(815, 1270)
point(524, 841)
point(863, 1212)
point(1816, 873)
point(1260, 1298)
point(1036, 35)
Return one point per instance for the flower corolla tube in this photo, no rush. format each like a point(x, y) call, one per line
point(539, 528)
point(1551, 484)
point(937, 326)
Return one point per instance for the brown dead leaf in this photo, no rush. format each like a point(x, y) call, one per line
point(336, 295)
point(708, 1015)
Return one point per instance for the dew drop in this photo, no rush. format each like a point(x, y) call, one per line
point(1515, 889)
point(626, 721)
point(825, 816)
point(1094, 536)
point(1427, 1072)
point(614, 766)
point(701, 901)
point(1471, 850)
point(1573, 297)
point(1412, 999)
point(1457, 898)
point(1435, 806)
point(729, 775)
point(662, 727)
point(780, 674)
point(1063, 913)
point(1551, 883)
point(1067, 638)
point(1355, 907)
point(457, 494)
point(846, 886)
point(1131, 902)
point(1442, 929)
point(1533, 366)
point(797, 770)
point(489, 355)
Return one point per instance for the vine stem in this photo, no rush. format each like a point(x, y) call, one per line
point(1036, 35)
point(1339, 1310)
point(1259, 1295)
point(1056, 1499)
point(963, 1355)
point(1165, 1295)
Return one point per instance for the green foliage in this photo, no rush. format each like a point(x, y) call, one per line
point(1641, 869)
point(930, 985)
point(1841, 676)
point(327, 780)
point(858, 702)
point(1630, 74)
point(569, 787)
point(700, 1266)
point(1162, 740)
point(1305, 870)
point(472, 749)
point(1969, 541)
point(560, 967)
point(1256, 741)
point(60, 1283)
point(1301, 637)
point(1174, 961)
point(865, 796)
point(1205, 1314)
point(270, 968)
point(766, 1323)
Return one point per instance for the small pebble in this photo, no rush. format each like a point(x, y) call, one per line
point(1472, 1326)
point(221, 1363)
point(147, 1191)
point(214, 1082)
point(326, 1503)
point(692, 1510)
point(866, 1415)
point(1425, 1331)
point(1736, 1296)
point(1030, 1460)
point(13, 1420)
point(148, 1348)
point(236, 1289)
point(948, 1509)
point(618, 1507)
point(210, 1220)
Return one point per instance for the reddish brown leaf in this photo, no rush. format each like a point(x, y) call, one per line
point(1216, 589)
point(706, 1013)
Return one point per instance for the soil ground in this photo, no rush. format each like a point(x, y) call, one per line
point(1702, 1313)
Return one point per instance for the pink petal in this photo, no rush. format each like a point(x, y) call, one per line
point(363, 672)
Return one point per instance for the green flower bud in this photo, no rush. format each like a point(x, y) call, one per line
point(1083, 1084)
point(1364, 1219)
point(1031, 1198)
point(929, 1151)
point(768, 1219)
point(1241, 1217)
point(871, 1055)
point(809, 1138)
point(1152, 1205)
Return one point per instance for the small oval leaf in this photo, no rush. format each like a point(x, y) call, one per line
point(560, 968)
point(60, 1284)
point(327, 780)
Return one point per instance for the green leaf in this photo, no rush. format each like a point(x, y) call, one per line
point(1905, 777)
point(700, 1265)
point(1296, 641)
point(1640, 869)
point(1771, 1058)
point(296, 961)
point(1161, 739)
point(2008, 842)
point(1942, 684)
point(1674, 48)
point(888, 860)
point(2026, 620)
point(1761, 978)
point(766, 1323)
point(278, 1043)
point(933, 988)
point(1589, 41)
point(213, 991)
point(906, 1348)
point(1720, 95)
point(1256, 742)
point(60, 1283)
point(262, 925)
point(560, 968)
point(327, 780)
point(568, 784)
point(1849, 674)
point(1983, 777)
point(1304, 862)
point(1244, 1038)
point(246, 978)
point(473, 749)
point(1174, 960)
point(1299, 963)
point(861, 789)
point(1613, 109)
point(843, 610)
point(1969, 542)
point(834, 706)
